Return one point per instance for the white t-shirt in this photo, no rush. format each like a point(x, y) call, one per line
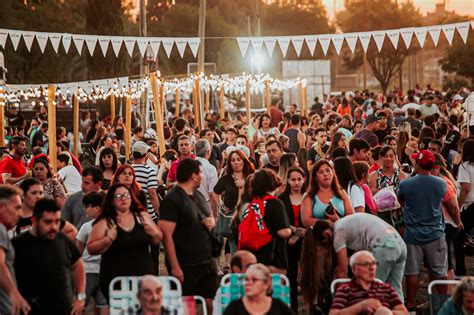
point(356, 195)
point(410, 105)
point(91, 262)
point(71, 178)
point(466, 175)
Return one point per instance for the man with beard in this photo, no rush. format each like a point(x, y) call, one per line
point(45, 260)
point(150, 295)
point(185, 148)
point(12, 167)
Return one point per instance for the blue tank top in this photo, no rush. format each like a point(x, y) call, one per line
point(319, 207)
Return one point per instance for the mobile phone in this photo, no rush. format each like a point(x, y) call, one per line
point(330, 209)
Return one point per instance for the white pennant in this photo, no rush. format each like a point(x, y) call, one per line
point(28, 38)
point(351, 39)
point(257, 43)
point(194, 43)
point(91, 41)
point(270, 43)
point(66, 42)
point(42, 39)
point(407, 35)
point(394, 36)
point(297, 43)
point(181, 45)
point(104, 44)
point(129, 44)
point(3, 37)
point(15, 38)
point(284, 42)
point(365, 40)
point(448, 31)
point(142, 43)
point(78, 42)
point(55, 38)
point(463, 30)
point(243, 45)
point(311, 41)
point(379, 38)
point(116, 44)
point(337, 41)
point(420, 33)
point(168, 45)
point(434, 33)
point(324, 41)
point(155, 45)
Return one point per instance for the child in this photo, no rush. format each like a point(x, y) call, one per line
point(362, 173)
point(93, 202)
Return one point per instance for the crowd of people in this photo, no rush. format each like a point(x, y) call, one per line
point(366, 187)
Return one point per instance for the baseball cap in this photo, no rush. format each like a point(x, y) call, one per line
point(458, 97)
point(140, 147)
point(424, 158)
point(370, 119)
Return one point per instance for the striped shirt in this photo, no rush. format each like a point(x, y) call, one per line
point(352, 293)
point(147, 178)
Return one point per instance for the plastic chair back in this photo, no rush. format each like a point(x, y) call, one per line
point(437, 300)
point(194, 305)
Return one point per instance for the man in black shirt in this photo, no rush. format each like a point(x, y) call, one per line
point(319, 149)
point(45, 260)
point(274, 152)
point(186, 222)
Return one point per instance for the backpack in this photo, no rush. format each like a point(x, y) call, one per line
point(253, 233)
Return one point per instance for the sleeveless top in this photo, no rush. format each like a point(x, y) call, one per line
point(261, 133)
point(129, 255)
point(293, 144)
point(319, 207)
point(385, 181)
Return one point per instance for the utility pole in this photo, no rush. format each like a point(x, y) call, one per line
point(259, 30)
point(202, 34)
point(143, 65)
point(365, 53)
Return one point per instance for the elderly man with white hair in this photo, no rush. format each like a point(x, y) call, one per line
point(150, 296)
point(364, 294)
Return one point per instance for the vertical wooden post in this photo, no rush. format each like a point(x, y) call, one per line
point(157, 106)
point(207, 94)
point(221, 102)
point(128, 127)
point(176, 101)
point(75, 149)
point(301, 97)
point(197, 104)
point(2, 118)
point(267, 96)
point(53, 154)
point(305, 100)
point(112, 107)
point(247, 99)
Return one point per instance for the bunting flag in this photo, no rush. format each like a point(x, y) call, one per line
point(257, 43)
point(379, 38)
point(28, 39)
point(129, 44)
point(142, 44)
point(3, 37)
point(365, 40)
point(15, 38)
point(104, 44)
point(67, 38)
point(91, 41)
point(42, 39)
point(78, 42)
point(270, 43)
point(168, 45)
point(448, 31)
point(394, 36)
point(351, 39)
point(297, 44)
point(311, 41)
point(434, 32)
point(420, 33)
point(324, 41)
point(55, 39)
point(116, 44)
point(463, 30)
point(284, 42)
point(243, 45)
point(337, 41)
point(181, 45)
point(194, 43)
point(155, 43)
point(407, 35)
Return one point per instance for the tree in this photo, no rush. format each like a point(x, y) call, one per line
point(378, 15)
point(459, 58)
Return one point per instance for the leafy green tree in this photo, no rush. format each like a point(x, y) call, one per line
point(459, 58)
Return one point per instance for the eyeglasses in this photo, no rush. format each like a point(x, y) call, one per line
point(253, 280)
point(123, 196)
point(368, 264)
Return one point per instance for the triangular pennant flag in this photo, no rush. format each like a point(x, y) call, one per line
point(15, 38)
point(463, 30)
point(66, 42)
point(365, 40)
point(243, 45)
point(28, 38)
point(3, 37)
point(55, 38)
point(407, 35)
point(194, 43)
point(42, 39)
point(181, 45)
point(257, 43)
point(91, 41)
point(311, 41)
point(394, 36)
point(270, 43)
point(284, 42)
point(78, 42)
point(142, 43)
point(129, 44)
point(434, 33)
point(337, 41)
point(448, 30)
point(168, 45)
point(420, 33)
point(155, 45)
point(379, 37)
point(297, 43)
point(116, 44)
point(324, 41)
point(351, 39)
point(104, 44)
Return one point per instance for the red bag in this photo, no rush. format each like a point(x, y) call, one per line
point(253, 233)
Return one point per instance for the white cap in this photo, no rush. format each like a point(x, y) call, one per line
point(457, 97)
point(140, 147)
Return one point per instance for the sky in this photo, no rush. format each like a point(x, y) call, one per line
point(463, 7)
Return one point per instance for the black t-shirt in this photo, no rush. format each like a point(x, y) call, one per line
point(275, 219)
point(237, 307)
point(216, 155)
point(272, 167)
point(192, 240)
point(381, 134)
point(230, 193)
point(312, 155)
point(16, 120)
point(43, 271)
point(38, 136)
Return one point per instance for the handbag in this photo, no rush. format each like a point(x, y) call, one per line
point(224, 218)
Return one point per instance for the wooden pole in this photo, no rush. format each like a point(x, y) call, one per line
point(207, 94)
point(2, 118)
point(128, 127)
point(75, 149)
point(267, 95)
point(176, 101)
point(247, 99)
point(305, 100)
point(221, 102)
point(112, 107)
point(53, 152)
point(197, 104)
point(301, 97)
point(158, 95)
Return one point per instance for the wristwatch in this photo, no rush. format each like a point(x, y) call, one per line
point(81, 297)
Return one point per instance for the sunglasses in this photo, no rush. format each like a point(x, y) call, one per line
point(123, 196)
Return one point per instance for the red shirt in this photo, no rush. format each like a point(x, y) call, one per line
point(13, 166)
point(174, 168)
point(296, 214)
point(276, 116)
